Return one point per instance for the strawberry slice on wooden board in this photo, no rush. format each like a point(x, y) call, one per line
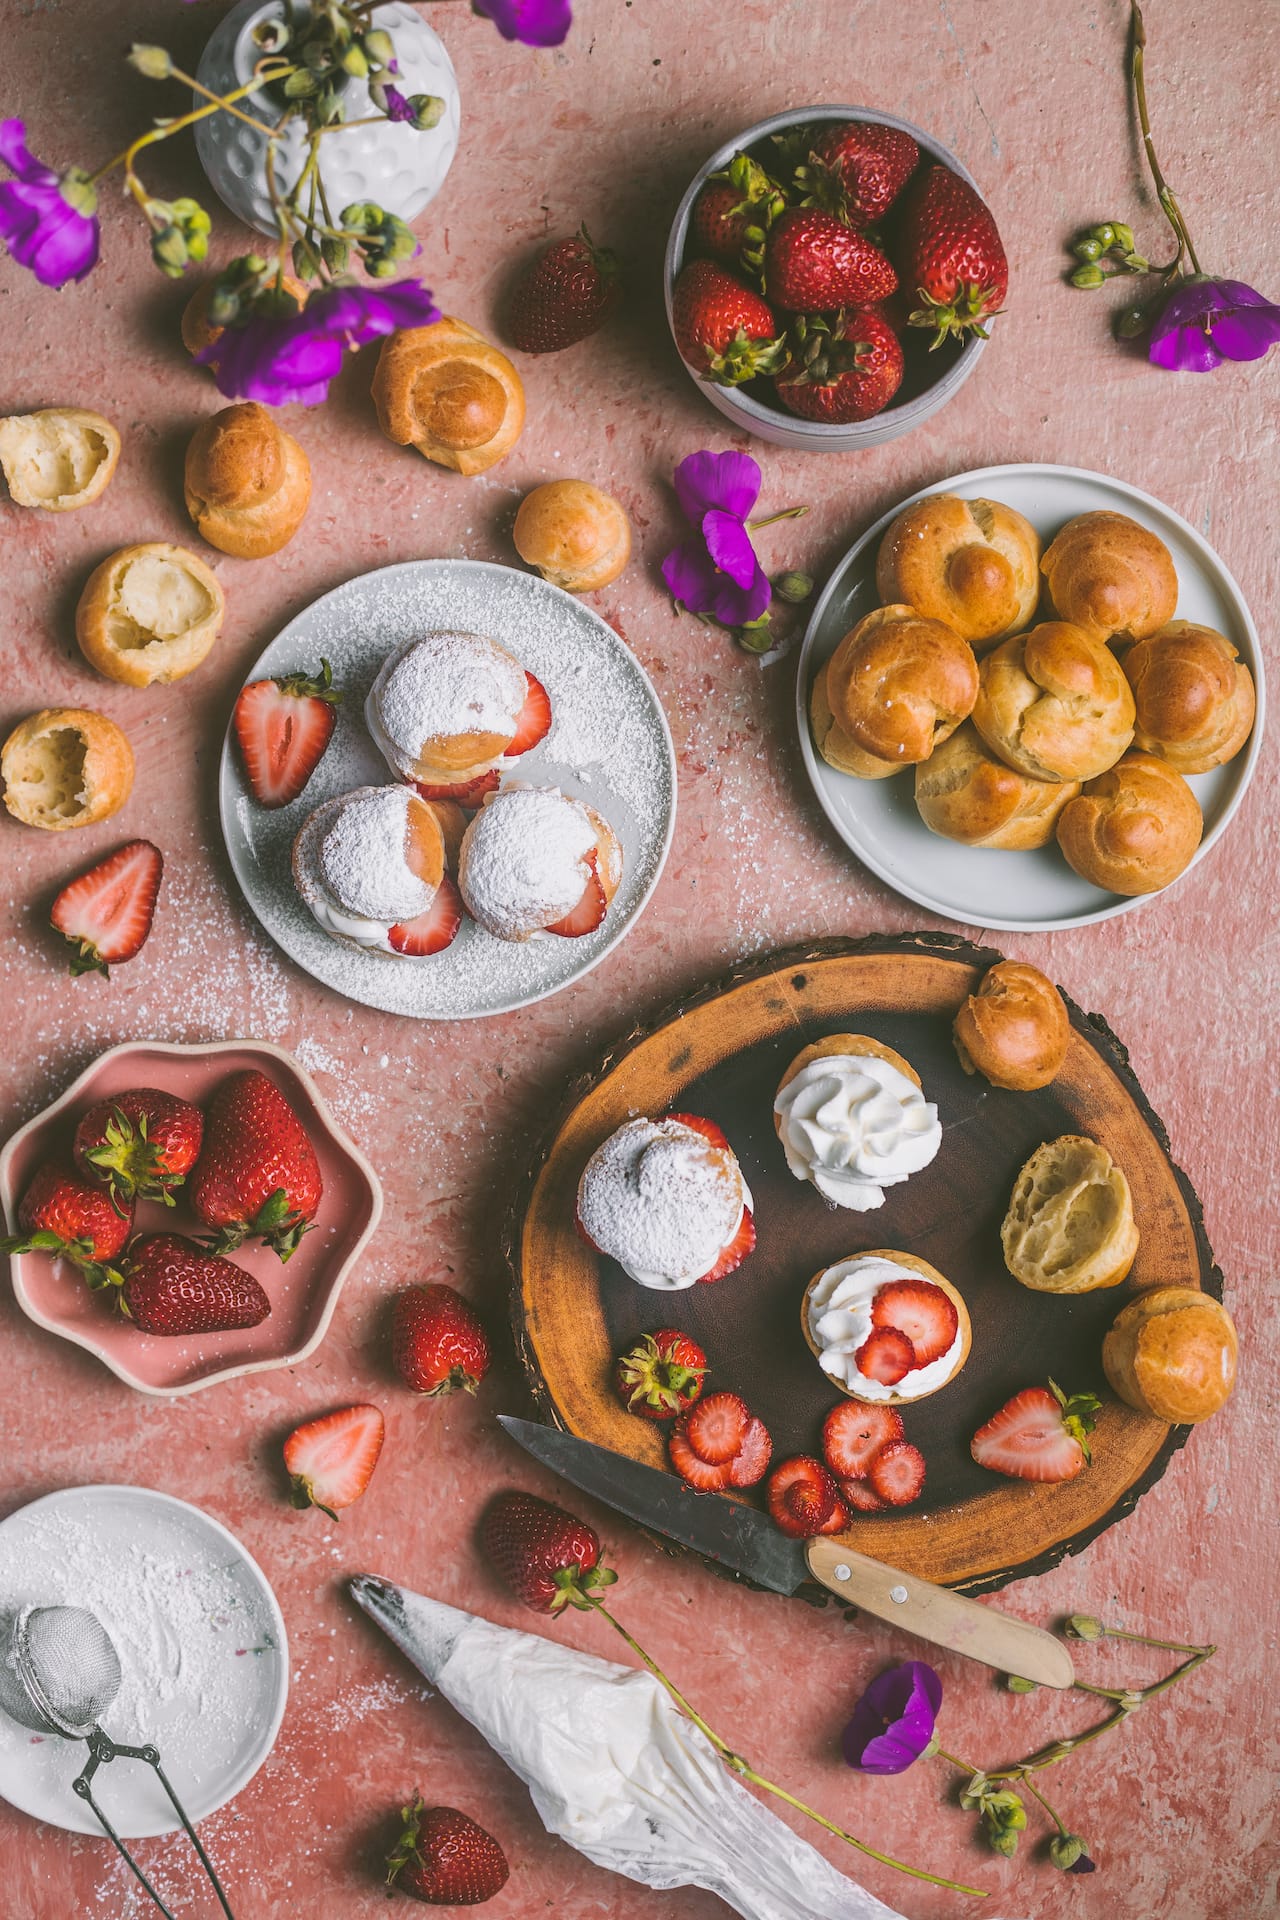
point(802, 1496)
point(897, 1473)
point(590, 910)
point(951, 254)
point(463, 793)
point(282, 728)
point(751, 1462)
point(886, 1356)
point(175, 1286)
point(142, 1142)
point(920, 1310)
point(330, 1461)
point(432, 931)
point(533, 722)
point(438, 1345)
point(106, 913)
point(725, 330)
point(568, 293)
point(852, 1435)
point(1040, 1434)
point(717, 1427)
point(861, 1497)
point(257, 1174)
point(661, 1376)
point(700, 1474)
point(548, 1558)
point(446, 1858)
point(839, 1519)
point(75, 1219)
point(814, 263)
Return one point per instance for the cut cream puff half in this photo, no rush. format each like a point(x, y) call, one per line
point(853, 1120)
point(886, 1327)
point(666, 1199)
point(450, 711)
point(371, 867)
point(535, 862)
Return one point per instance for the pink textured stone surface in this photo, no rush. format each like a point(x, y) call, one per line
point(1178, 1805)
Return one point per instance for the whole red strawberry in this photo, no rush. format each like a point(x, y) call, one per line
point(172, 1286)
point(661, 1375)
point(437, 1343)
point(140, 1143)
point(257, 1173)
point(445, 1858)
point(61, 1213)
point(814, 263)
point(857, 169)
point(847, 371)
point(733, 212)
point(567, 294)
point(950, 252)
point(723, 328)
point(549, 1558)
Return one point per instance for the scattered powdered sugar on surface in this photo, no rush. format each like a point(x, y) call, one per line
point(447, 683)
point(659, 1199)
point(524, 860)
point(363, 857)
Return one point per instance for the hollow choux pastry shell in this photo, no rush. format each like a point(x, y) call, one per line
point(60, 458)
point(926, 1272)
point(974, 564)
point(1070, 1225)
point(1109, 576)
point(576, 536)
point(1134, 829)
point(1015, 1029)
point(898, 684)
point(1054, 703)
point(963, 792)
point(247, 482)
point(446, 391)
point(1193, 695)
point(1171, 1352)
point(834, 744)
point(152, 589)
point(66, 767)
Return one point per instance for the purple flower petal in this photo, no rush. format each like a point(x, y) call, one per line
point(41, 228)
point(728, 481)
point(1246, 328)
point(694, 580)
point(277, 358)
point(1204, 321)
point(398, 107)
point(14, 153)
point(538, 23)
point(893, 1722)
point(729, 545)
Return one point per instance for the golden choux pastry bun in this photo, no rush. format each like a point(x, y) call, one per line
point(149, 613)
point(965, 793)
point(1054, 703)
point(887, 1397)
point(1070, 1224)
point(66, 767)
point(898, 685)
point(974, 564)
point(60, 458)
point(446, 391)
point(1134, 829)
point(1193, 696)
point(577, 537)
point(1171, 1352)
point(197, 330)
point(1015, 1030)
point(247, 482)
point(834, 744)
point(1107, 575)
point(851, 1046)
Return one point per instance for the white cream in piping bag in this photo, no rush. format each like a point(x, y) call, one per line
point(852, 1125)
point(840, 1321)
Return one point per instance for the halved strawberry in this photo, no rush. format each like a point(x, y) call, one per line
point(923, 1312)
point(1038, 1435)
point(533, 722)
point(802, 1496)
point(861, 1497)
point(852, 1435)
point(590, 910)
point(707, 1128)
point(751, 1462)
point(885, 1355)
point(106, 913)
point(434, 930)
point(717, 1427)
point(699, 1473)
point(897, 1473)
point(732, 1257)
point(463, 793)
point(330, 1461)
point(839, 1519)
point(283, 727)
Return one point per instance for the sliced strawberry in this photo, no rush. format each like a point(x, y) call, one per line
point(1038, 1435)
point(922, 1311)
point(852, 1435)
point(742, 1243)
point(885, 1355)
point(699, 1473)
point(283, 727)
point(802, 1496)
point(751, 1462)
point(897, 1473)
point(106, 913)
point(463, 793)
point(533, 722)
point(707, 1128)
point(330, 1461)
point(434, 930)
point(861, 1497)
point(839, 1519)
point(717, 1427)
point(590, 910)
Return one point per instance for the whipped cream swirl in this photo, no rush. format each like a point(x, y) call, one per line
point(853, 1125)
point(662, 1201)
point(839, 1310)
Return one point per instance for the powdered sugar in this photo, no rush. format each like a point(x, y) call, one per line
point(443, 684)
point(363, 856)
point(524, 860)
point(662, 1201)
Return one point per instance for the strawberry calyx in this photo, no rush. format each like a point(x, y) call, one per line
point(1079, 1415)
point(760, 198)
point(744, 358)
point(578, 1586)
point(301, 685)
point(302, 1493)
point(603, 259)
point(656, 1381)
point(95, 1273)
point(276, 1223)
point(825, 349)
point(406, 1847)
point(962, 315)
point(85, 957)
point(133, 1163)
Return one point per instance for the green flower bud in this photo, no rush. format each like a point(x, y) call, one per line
point(1066, 1849)
point(1124, 236)
point(269, 36)
point(362, 216)
point(1083, 1626)
point(317, 57)
point(1003, 1843)
point(1015, 1683)
point(1089, 248)
point(335, 254)
point(195, 224)
point(379, 268)
point(755, 636)
point(1131, 322)
point(354, 62)
point(428, 110)
point(169, 251)
point(153, 62)
point(304, 260)
point(379, 46)
point(793, 587)
point(1005, 1809)
point(1105, 235)
point(1088, 276)
point(300, 85)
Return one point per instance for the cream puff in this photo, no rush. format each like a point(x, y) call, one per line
point(974, 564)
point(1134, 829)
point(149, 614)
point(1070, 1225)
point(1054, 704)
point(886, 1327)
point(450, 711)
point(1110, 576)
point(666, 1199)
point(853, 1120)
point(536, 862)
point(66, 767)
point(1015, 1030)
point(370, 866)
point(1171, 1352)
point(895, 688)
point(1194, 696)
point(965, 792)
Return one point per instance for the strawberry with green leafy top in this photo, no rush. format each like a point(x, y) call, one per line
point(282, 728)
point(549, 1558)
point(724, 329)
point(661, 1376)
point(1040, 1434)
point(174, 1286)
point(733, 213)
point(437, 1343)
point(847, 368)
point(141, 1143)
point(257, 1175)
point(951, 255)
point(63, 1214)
point(857, 169)
point(446, 1858)
point(566, 295)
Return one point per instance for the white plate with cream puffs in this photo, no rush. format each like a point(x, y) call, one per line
point(495, 805)
point(1030, 697)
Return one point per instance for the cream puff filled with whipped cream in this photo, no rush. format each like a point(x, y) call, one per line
point(448, 711)
point(370, 866)
point(666, 1199)
point(534, 861)
point(853, 1120)
point(886, 1327)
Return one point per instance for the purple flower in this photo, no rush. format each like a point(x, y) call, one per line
point(539, 23)
point(47, 222)
point(397, 107)
point(715, 571)
point(276, 358)
point(1204, 322)
point(892, 1723)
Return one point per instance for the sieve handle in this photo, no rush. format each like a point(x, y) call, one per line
point(102, 1749)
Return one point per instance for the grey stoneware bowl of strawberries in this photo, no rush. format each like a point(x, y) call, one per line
point(929, 377)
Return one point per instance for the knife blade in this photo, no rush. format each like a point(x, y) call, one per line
point(738, 1537)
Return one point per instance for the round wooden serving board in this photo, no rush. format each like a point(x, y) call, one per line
point(722, 1054)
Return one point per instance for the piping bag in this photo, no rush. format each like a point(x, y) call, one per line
point(613, 1766)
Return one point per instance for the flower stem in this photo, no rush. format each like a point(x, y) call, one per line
point(1168, 202)
point(1036, 1794)
point(224, 101)
point(787, 513)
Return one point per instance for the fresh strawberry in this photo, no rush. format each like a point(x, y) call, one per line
point(732, 1256)
point(861, 1497)
point(283, 727)
point(896, 1474)
point(857, 169)
point(732, 214)
point(696, 1472)
point(922, 1311)
point(802, 1496)
point(437, 1343)
point(143, 1142)
point(707, 1128)
point(63, 1214)
point(434, 930)
point(106, 913)
point(549, 1558)
point(661, 1376)
point(885, 1355)
point(257, 1173)
point(445, 1858)
point(814, 263)
point(465, 793)
point(330, 1461)
point(1038, 1435)
point(751, 1462)
point(848, 369)
point(590, 910)
point(951, 254)
point(852, 1435)
point(839, 1517)
point(533, 722)
point(717, 1427)
point(568, 293)
point(172, 1286)
point(723, 328)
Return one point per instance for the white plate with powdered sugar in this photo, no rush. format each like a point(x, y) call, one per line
point(609, 745)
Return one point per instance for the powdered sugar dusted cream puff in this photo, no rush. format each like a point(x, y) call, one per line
point(666, 1199)
point(534, 861)
point(450, 710)
point(370, 865)
point(853, 1120)
point(885, 1326)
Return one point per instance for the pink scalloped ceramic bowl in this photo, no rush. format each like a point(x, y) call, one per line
point(303, 1292)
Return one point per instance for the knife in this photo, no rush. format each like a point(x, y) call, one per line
point(739, 1537)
